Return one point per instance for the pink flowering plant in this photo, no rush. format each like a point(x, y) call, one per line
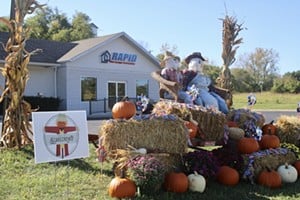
point(147, 172)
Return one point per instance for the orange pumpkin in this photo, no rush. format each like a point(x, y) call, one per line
point(232, 124)
point(269, 128)
point(269, 142)
point(121, 188)
point(228, 176)
point(247, 145)
point(193, 128)
point(297, 166)
point(269, 178)
point(123, 110)
point(176, 182)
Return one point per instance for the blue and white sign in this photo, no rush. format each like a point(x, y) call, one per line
point(60, 136)
point(118, 58)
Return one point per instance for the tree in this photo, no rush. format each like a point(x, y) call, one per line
point(242, 80)
point(290, 82)
point(3, 27)
point(262, 65)
point(16, 126)
point(231, 41)
point(81, 28)
point(52, 25)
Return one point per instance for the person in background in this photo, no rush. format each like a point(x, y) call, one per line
point(251, 100)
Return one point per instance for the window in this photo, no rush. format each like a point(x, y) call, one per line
point(88, 88)
point(142, 88)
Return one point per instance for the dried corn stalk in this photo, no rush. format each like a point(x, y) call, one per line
point(231, 30)
point(16, 129)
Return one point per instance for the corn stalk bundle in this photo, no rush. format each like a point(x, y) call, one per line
point(288, 129)
point(230, 33)
point(16, 128)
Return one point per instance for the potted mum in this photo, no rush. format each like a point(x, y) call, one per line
point(147, 172)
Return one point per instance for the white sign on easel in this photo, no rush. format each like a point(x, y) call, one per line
point(60, 136)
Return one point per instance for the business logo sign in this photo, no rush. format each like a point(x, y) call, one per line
point(60, 135)
point(118, 58)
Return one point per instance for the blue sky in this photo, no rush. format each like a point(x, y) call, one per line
point(195, 25)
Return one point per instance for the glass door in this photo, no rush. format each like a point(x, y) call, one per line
point(116, 91)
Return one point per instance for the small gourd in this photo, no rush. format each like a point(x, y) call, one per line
point(297, 166)
point(197, 182)
point(269, 128)
point(269, 178)
point(176, 182)
point(269, 142)
point(288, 173)
point(121, 187)
point(228, 176)
point(247, 145)
point(123, 109)
point(236, 133)
point(192, 128)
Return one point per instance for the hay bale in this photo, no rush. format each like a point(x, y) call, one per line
point(288, 129)
point(270, 158)
point(210, 122)
point(240, 116)
point(165, 134)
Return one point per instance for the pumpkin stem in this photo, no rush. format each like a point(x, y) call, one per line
point(286, 165)
point(125, 98)
point(272, 122)
point(122, 173)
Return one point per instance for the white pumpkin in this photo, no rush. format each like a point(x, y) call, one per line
point(288, 173)
point(197, 182)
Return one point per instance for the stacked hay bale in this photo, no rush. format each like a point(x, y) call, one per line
point(243, 116)
point(210, 122)
point(288, 129)
point(266, 159)
point(164, 136)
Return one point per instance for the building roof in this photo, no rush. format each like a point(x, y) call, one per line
point(51, 50)
point(57, 52)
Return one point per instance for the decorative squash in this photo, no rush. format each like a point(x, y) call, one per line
point(228, 176)
point(192, 127)
point(247, 145)
point(121, 187)
point(297, 166)
point(288, 173)
point(123, 109)
point(269, 178)
point(197, 182)
point(269, 142)
point(176, 182)
point(236, 133)
point(269, 128)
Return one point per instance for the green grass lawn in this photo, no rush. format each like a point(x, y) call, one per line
point(21, 178)
point(268, 100)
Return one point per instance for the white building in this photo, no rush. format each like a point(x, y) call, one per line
point(110, 67)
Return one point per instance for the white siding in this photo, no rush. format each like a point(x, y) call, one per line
point(90, 66)
point(41, 80)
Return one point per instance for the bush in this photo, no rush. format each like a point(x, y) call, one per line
point(43, 103)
